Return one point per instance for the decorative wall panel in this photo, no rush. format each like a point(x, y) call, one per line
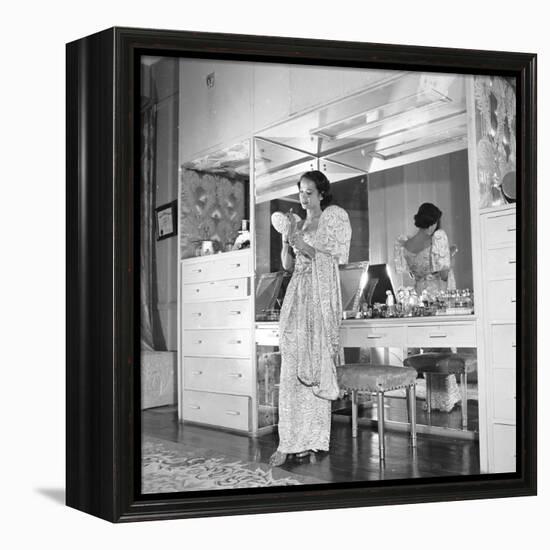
point(495, 100)
point(212, 207)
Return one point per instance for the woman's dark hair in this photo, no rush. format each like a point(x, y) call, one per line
point(427, 215)
point(322, 185)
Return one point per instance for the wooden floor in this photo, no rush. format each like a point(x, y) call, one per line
point(348, 460)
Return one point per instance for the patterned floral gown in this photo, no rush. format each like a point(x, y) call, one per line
point(424, 267)
point(309, 329)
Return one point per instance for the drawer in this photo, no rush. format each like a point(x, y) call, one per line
point(226, 411)
point(232, 266)
point(218, 374)
point(504, 394)
point(503, 345)
point(217, 267)
point(230, 314)
point(215, 290)
point(441, 336)
point(501, 300)
point(267, 336)
point(504, 448)
point(374, 337)
point(500, 228)
point(217, 343)
point(501, 262)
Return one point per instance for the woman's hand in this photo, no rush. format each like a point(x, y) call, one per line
point(297, 241)
point(301, 246)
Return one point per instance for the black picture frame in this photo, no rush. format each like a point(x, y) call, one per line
point(166, 213)
point(103, 223)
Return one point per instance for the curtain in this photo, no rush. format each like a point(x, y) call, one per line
point(147, 253)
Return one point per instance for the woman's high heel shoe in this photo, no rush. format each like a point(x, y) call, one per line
point(303, 454)
point(277, 459)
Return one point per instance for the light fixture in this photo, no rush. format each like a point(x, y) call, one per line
point(372, 118)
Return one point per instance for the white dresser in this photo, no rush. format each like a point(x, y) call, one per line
point(217, 379)
point(498, 240)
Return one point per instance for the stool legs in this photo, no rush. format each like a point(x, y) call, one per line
point(354, 413)
point(411, 412)
point(411, 398)
point(428, 378)
point(381, 446)
point(464, 387)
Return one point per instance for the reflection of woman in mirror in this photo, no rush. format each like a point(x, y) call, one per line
point(426, 256)
point(310, 319)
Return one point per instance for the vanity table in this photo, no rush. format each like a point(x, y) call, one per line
point(444, 331)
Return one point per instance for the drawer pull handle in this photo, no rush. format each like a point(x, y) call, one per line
point(375, 336)
point(236, 342)
point(197, 270)
point(196, 407)
point(235, 265)
point(198, 341)
point(197, 314)
point(514, 345)
point(511, 261)
point(438, 335)
point(511, 228)
point(513, 300)
point(233, 413)
point(197, 372)
point(235, 375)
point(197, 290)
point(235, 312)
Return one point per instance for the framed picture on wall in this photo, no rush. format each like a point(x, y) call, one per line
point(198, 399)
point(166, 216)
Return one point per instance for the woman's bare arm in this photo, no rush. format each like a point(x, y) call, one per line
point(286, 256)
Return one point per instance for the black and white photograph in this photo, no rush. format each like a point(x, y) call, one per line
point(339, 305)
point(284, 281)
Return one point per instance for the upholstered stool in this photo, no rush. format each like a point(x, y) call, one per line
point(379, 379)
point(441, 364)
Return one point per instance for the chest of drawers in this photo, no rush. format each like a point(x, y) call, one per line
point(216, 356)
point(498, 238)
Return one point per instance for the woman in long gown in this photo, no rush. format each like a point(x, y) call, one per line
point(310, 320)
point(426, 257)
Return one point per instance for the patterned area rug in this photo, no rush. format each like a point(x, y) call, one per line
point(169, 467)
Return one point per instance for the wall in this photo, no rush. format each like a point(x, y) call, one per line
point(164, 79)
point(394, 197)
point(247, 97)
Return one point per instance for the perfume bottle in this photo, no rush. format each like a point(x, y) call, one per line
point(243, 238)
point(390, 303)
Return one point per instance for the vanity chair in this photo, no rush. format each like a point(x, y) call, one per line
point(441, 364)
point(378, 379)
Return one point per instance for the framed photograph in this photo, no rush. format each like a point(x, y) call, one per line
point(410, 171)
point(166, 216)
